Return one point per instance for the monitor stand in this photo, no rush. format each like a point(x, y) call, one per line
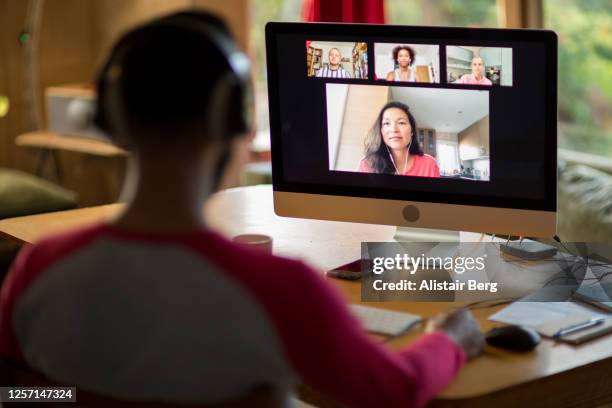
point(432, 242)
point(411, 234)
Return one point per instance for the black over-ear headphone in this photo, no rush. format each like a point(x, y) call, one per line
point(238, 107)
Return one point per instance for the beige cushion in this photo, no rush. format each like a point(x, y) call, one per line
point(23, 194)
point(585, 204)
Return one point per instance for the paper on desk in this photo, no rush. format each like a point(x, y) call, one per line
point(538, 313)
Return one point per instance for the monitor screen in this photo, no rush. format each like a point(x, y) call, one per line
point(442, 115)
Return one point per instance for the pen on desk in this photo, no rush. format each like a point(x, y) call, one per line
point(579, 326)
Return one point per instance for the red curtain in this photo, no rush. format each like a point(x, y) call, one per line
point(344, 11)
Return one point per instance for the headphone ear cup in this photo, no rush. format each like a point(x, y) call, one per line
point(239, 118)
point(234, 112)
point(107, 89)
point(99, 118)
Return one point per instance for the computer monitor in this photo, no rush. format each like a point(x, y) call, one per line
point(428, 127)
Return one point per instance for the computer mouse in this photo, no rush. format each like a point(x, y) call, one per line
point(514, 338)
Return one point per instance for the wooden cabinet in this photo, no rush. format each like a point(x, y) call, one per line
point(427, 140)
point(474, 140)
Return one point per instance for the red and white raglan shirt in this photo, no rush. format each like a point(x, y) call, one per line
point(194, 318)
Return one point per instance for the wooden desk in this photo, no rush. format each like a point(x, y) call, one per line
point(555, 375)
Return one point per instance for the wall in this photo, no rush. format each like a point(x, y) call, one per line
point(447, 136)
point(12, 20)
point(507, 74)
point(491, 56)
point(336, 101)
point(75, 36)
point(64, 55)
point(113, 17)
point(363, 104)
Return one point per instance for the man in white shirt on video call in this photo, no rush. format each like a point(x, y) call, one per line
point(334, 69)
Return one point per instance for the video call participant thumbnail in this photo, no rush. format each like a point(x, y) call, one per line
point(334, 69)
point(392, 147)
point(477, 77)
point(336, 59)
point(474, 65)
point(403, 58)
point(408, 63)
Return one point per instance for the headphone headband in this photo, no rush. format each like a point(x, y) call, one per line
point(110, 111)
point(236, 59)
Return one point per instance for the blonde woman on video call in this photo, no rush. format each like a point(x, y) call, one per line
point(391, 146)
point(477, 77)
point(405, 71)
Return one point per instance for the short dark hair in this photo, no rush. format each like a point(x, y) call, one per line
point(168, 72)
point(376, 153)
point(410, 50)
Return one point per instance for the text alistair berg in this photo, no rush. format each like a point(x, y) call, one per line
point(411, 264)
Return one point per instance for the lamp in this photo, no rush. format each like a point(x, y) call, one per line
point(4, 105)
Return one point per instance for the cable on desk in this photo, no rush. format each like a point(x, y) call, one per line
point(487, 303)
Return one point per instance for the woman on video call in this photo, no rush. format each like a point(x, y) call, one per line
point(477, 77)
point(405, 71)
point(391, 146)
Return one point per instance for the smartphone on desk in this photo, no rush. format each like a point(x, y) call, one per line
point(352, 270)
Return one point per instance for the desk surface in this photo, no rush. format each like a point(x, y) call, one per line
point(554, 374)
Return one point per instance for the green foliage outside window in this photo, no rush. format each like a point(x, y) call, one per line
point(585, 72)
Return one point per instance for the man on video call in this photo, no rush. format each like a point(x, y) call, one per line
point(334, 69)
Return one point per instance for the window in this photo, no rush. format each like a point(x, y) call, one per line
point(264, 11)
point(448, 158)
point(585, 73)
point(466, 13)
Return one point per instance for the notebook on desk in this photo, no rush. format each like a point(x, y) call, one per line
point(548, 318)
point(552, 328)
